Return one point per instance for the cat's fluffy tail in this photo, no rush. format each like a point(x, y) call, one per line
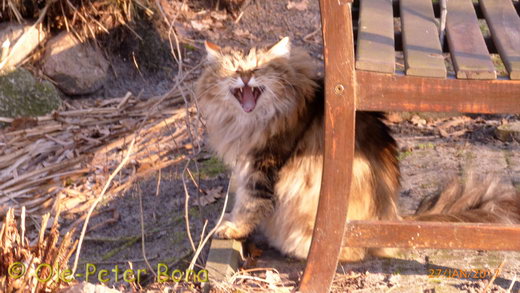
point(478, 200)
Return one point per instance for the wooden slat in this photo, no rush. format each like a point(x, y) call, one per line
point(504, 24)
point(432, 235)
point(422, 48)
point(375, 42)
point(338, 146)
point(384, 92)
point(467, 46)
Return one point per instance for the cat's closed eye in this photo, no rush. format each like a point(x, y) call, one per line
point(250, 71)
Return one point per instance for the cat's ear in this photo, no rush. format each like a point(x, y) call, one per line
point(281, 49)
point(213, 50)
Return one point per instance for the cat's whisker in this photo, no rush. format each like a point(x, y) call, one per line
point(284, 86)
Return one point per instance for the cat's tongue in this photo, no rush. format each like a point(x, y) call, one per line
point(248, 99)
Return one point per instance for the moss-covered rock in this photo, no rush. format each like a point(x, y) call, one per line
point(21, 94)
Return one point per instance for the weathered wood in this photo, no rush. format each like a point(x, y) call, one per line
point(422, 48)
point(339, 146)
point(375, 91)
point(399, 44)
point(410, 234)
point(385, 92)
point(504, 24)
point(467, 46)
point(375, 41)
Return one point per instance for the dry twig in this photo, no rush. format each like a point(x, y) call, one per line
point(71, 152)
point(495, 275)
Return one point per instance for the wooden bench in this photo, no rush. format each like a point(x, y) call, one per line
point(369, 81)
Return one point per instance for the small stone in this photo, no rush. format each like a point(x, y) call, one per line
point(418, 121)
point(76, 68)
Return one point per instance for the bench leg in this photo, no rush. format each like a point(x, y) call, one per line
point(332, 208)
point(339, 147)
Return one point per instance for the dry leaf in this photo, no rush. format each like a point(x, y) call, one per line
point(254, 253)
point(199, 26)
point(273, 279)
point(219, 15)
point(210, 197)
point(418, 121)
point(23, 123)
point(394, 117)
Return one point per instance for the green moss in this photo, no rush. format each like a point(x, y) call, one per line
point(425, 146)
point(189, 47)
point(194, 211)
point(211, 168)
point(403, 155)
point(178, 237)
point(117, 250)
point(499, 65)
point(23, 95)
point(427, 185)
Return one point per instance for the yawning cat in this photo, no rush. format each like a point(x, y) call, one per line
point(264, 112)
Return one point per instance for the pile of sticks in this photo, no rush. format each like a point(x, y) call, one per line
point(65, 158)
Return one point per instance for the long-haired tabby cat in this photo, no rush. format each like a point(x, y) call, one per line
point(264, 113)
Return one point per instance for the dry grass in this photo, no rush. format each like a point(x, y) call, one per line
point(21, 262)
point(66, 157)
point(85, 18)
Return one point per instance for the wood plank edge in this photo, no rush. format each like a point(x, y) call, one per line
point(436, 235)
point(476, 74)
point(375, 66)
point(427, 72)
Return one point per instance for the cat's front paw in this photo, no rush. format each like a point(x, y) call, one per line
point(229, 230)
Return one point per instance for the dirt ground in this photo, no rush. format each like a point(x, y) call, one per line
point(428, 158)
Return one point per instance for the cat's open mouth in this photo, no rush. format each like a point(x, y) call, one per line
point(247, 96)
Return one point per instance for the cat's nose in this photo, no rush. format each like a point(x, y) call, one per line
point(246, 77)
